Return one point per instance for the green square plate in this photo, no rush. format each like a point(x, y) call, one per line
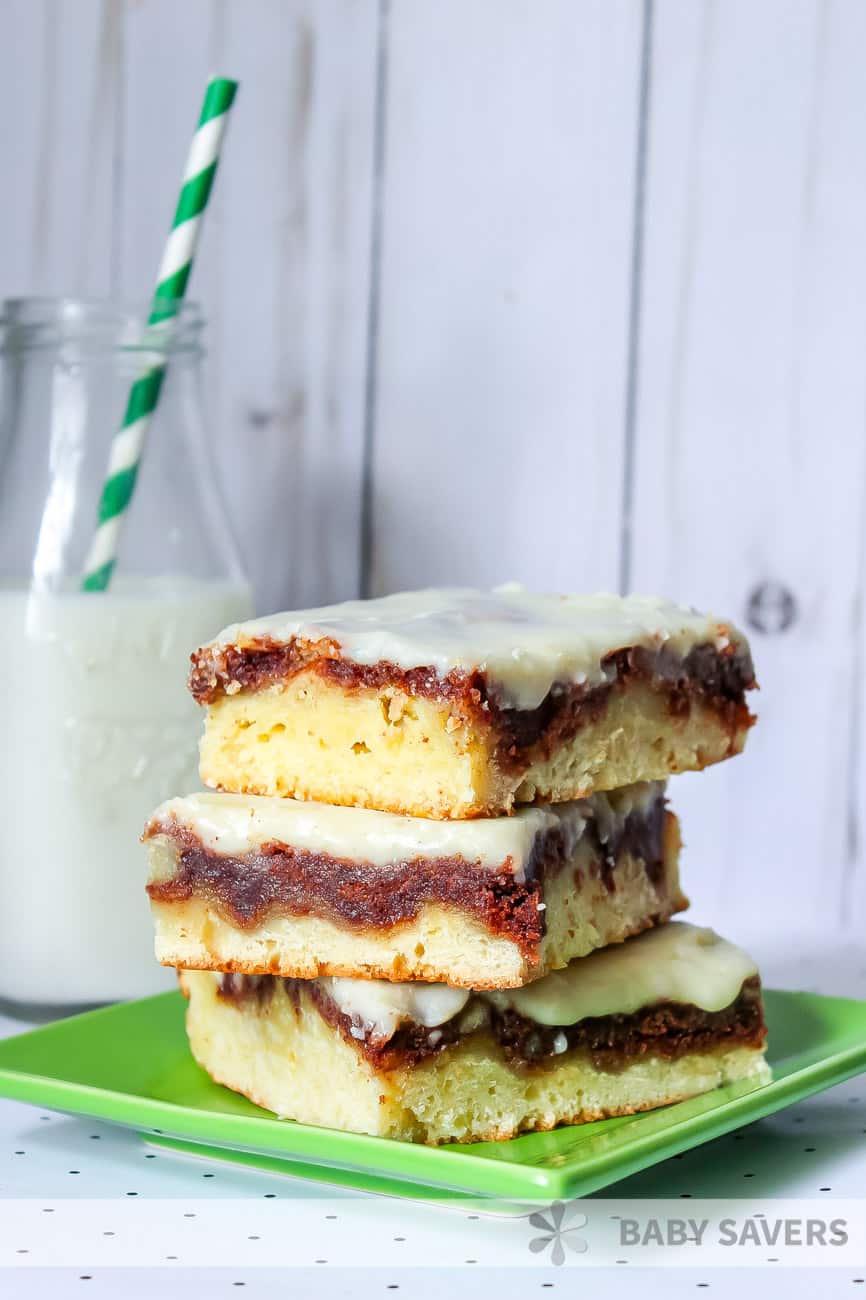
point(130, 1064)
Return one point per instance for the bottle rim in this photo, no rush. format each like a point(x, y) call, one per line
point(97, 324)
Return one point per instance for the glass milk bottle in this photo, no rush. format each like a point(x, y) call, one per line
point(98, 724)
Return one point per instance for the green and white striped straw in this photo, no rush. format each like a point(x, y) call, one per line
point(128, 443)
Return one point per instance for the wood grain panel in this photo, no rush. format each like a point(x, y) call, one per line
point(506, 243)
point(752, 393)
point(163, 85)
point(60, 67)
point(852, 902)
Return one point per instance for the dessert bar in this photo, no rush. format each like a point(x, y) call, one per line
point(264, 885)
point(460, 703)
point(672, 1013)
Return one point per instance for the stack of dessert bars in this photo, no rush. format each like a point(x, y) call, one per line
point(428, 895)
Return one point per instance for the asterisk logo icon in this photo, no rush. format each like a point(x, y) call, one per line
point(559, 1226)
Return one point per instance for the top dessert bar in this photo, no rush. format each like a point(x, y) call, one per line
point(457, 703)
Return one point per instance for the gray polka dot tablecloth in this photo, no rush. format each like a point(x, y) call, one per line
point(90, 1209)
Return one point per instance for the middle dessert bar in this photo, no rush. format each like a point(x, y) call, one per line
point(274, 886)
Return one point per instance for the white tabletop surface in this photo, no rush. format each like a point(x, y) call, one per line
point(116, 1217)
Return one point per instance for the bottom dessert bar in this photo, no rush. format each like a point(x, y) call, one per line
point(667, 1015)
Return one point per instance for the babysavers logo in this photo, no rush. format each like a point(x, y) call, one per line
point(716, 1232)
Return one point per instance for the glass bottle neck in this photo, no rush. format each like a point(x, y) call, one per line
point(92, 327)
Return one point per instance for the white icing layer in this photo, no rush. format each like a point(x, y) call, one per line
point(523, 641)
point(676, 962)
point(378, 1008)
point(234, 824)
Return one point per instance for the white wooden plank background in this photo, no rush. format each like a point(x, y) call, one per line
point(752, 394)
point(486, 301)
point(507, 221)
point(59, 69)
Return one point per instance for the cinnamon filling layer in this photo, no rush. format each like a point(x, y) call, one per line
point(716, 678)
point(713, 678)
point(666, 1029)
point(280, 880)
